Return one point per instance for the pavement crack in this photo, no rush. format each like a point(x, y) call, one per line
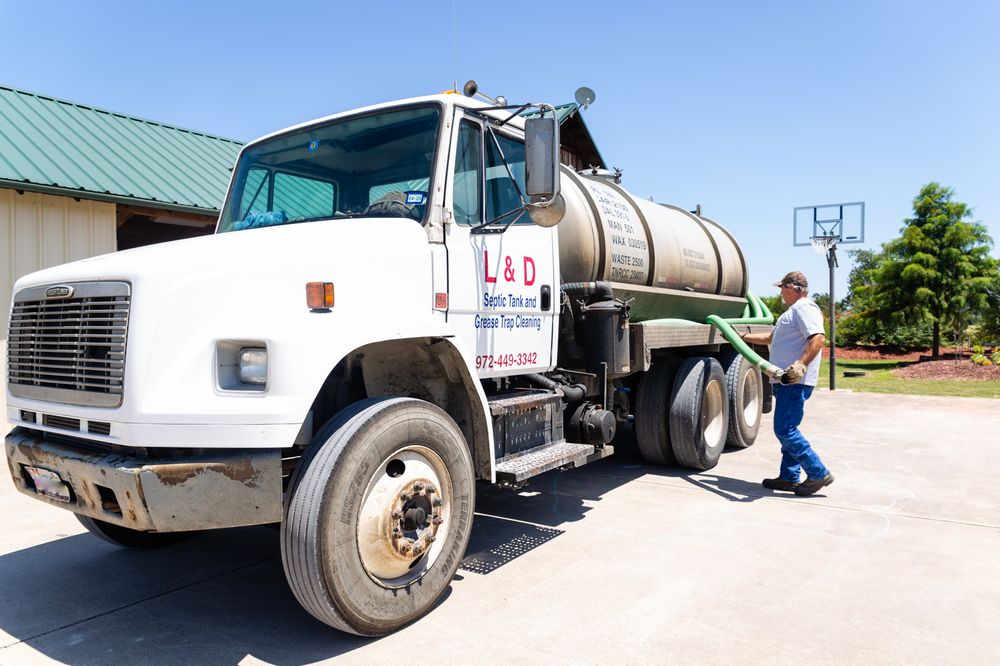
point(112, 611)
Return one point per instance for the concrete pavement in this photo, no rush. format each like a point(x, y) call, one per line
point(896, 562)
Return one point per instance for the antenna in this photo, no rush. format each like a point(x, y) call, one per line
point(585, 97)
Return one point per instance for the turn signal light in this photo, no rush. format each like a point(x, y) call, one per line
point(319, 295)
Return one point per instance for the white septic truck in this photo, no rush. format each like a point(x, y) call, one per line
point(398, 301)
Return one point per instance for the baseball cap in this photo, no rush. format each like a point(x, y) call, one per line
point(793, 279)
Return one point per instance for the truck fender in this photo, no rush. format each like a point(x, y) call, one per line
point(428, 368)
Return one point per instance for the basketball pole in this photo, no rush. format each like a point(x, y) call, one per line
point(831, 261)
point(827, 233)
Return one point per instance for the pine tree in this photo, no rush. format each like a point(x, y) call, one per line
point(939, 269)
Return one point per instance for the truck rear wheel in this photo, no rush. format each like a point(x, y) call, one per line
point(745, 394)
point(652, 404)
point(379, 515)
point(128, 538)
point(699, 413)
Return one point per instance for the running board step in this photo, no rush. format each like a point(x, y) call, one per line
point(521, 466)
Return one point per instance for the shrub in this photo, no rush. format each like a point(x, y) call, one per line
point(980, 357)
point(858, 329)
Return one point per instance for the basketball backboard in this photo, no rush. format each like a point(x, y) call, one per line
point(844, 222)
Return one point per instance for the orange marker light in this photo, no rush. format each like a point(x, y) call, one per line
point(319, 295)
point(440, 301)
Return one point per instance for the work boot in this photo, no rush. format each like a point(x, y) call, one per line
point(780, 484)
point(810, 486)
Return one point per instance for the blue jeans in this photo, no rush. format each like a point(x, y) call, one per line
point(796, 453)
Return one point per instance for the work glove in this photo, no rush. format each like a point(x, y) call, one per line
point(794, 373)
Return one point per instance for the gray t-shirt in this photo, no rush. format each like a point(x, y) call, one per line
point(796, 325)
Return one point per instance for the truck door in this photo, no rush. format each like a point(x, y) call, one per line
point(502, 287)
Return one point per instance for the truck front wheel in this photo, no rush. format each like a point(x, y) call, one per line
point(379, 515)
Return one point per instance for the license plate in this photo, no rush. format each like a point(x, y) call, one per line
point(48, 483)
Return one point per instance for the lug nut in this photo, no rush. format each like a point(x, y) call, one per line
point(430, 538)
point(417, 549)
point(431, 489)
point(438, 520)
point(396, 531)
point(418, 487)
point(397, 514)
point(405, 496)
point(437, 501)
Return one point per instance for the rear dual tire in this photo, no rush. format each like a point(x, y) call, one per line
point(652, 433)
point(745, 391)
point(699, 413)
point(687, 412)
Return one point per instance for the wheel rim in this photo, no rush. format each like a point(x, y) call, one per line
point(713, 416)
point(404, 521)
point(749, 394)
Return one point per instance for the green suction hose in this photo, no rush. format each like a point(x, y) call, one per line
point(756, 312)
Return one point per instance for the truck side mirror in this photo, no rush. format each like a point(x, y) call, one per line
point(541, 167)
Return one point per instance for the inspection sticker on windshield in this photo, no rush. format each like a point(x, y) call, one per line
point(48, 483)
point(415, 198)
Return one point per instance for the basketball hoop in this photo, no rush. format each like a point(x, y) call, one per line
point(822, 244)
point(845, 221)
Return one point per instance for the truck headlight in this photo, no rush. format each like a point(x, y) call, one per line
point(241, 366)
point(253, 365)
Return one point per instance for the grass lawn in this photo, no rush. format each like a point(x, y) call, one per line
point(879, 379)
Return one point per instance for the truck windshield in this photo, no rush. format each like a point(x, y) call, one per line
point(377, 165)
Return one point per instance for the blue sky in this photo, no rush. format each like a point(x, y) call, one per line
point(748, 108)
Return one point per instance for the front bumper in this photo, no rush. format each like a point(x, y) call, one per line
point(211, 490)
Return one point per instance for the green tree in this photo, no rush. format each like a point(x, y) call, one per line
point(823, 301)
point(938, 270)
point(774, 304)
point(860, 280)
point(864, 322)
point(989, 324)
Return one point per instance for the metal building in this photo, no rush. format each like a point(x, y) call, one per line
point(76, 181)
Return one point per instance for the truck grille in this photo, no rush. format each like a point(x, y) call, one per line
point(67, 343)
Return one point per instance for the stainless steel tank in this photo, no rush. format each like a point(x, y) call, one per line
point(670, 262)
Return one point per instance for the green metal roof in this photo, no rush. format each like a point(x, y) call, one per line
point(581, 137)
point(563, 111)
point(59, 147)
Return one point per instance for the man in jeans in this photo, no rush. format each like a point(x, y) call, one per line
point(796, 342)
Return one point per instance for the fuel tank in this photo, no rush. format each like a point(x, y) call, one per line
point(669, 262)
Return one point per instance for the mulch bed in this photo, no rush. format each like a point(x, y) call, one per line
point(918, 366)
point(961, 369)
point(889, 353)
point(872, 354)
